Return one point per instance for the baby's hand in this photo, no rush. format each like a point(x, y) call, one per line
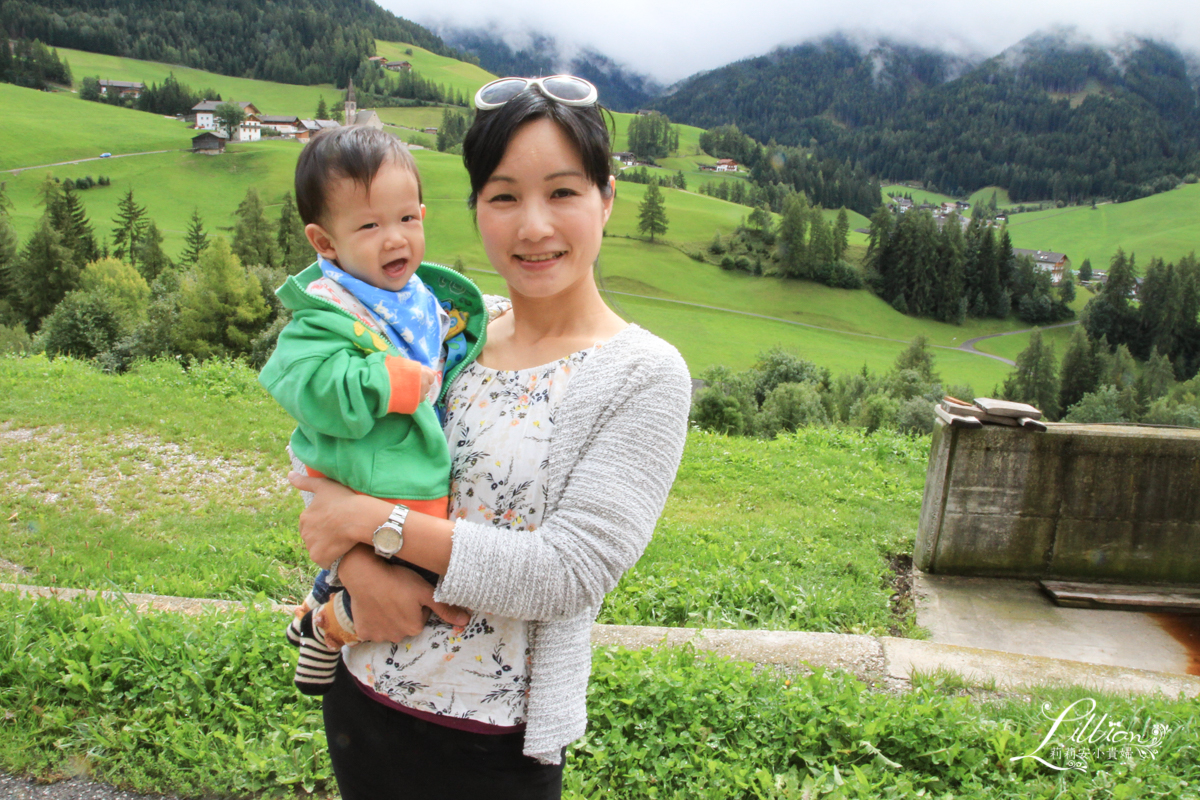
point(428, 380)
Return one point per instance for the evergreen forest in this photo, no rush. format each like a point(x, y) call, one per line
point(1047, 119)
point(295, 41)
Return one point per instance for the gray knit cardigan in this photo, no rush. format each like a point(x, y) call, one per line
point(618, 436)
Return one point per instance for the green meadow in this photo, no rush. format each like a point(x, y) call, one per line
point(918, 195)
point(455, 75)
point(45, 127)
point(268, 97)
point(1165, 225)
point(985, 194)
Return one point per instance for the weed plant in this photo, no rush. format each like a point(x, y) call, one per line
point(203, 705)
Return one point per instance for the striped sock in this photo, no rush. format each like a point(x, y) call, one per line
point(318, 661)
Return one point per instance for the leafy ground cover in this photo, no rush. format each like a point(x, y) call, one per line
point(203, 705)
point(176, 481)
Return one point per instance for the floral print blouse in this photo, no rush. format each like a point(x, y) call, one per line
point(498, 424)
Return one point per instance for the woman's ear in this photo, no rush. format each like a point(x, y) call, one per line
point(607, 198)
point(321, 241)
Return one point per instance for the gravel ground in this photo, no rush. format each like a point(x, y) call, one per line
point(13, 788)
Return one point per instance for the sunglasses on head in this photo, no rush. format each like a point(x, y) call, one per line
point(565, 89)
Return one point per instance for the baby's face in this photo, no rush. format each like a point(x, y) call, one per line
point(379, 237)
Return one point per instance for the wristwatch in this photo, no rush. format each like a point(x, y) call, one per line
point(389, 537)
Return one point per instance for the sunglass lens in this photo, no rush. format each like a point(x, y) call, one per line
point(502, 91)
point(568, 88)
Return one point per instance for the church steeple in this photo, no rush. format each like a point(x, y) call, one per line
point(351, 109)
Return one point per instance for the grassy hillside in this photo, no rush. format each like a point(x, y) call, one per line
point(1166, 225)
point(44, 128)
point(171, 184)
point(985, 194)
point(455, 75)
point(270, 98)
point(918, 195)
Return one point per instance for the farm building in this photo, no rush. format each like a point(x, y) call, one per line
point(727, 165)
point(205, 120)
point(309, 127)
point(209, 142)
point(287, 124)
point(124, 88)
point(398, 66)
point(377, 59)
point(1047, 261)
point(625, 157)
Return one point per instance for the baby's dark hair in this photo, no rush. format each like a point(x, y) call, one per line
point(355, 152)
point(488, 137)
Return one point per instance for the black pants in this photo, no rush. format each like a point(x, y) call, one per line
point(379, 753)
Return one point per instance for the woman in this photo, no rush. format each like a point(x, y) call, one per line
point(565, 437)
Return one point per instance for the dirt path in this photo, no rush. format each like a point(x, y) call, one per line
point(18, 170)
point(969, 345)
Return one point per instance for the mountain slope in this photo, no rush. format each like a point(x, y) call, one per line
point(1050, 118)
point(288, 41)
point(620, 89)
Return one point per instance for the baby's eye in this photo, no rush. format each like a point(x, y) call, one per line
point(407, 218)
point(369, 225)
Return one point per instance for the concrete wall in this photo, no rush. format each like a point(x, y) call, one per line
point(1078, 502)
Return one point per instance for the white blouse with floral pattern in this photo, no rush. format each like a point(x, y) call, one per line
point(498, 424)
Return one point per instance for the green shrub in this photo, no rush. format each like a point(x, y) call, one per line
point(789, 406)
point(1102, 405)
point(15, 340)
point(713, 410)
point(82, 325)
point(875, 411)
point(915, 415)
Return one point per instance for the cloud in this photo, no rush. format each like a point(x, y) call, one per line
point(670, 41)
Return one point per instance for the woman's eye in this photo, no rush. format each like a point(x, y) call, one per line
point(501, 198)
point(564, 192)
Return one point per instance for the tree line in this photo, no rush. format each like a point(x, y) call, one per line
point(33, 65)
point(950, 273)
point(118, 297)
point(295, 41)
point(170, 98)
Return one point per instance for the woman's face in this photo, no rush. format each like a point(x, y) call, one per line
point(540, 217)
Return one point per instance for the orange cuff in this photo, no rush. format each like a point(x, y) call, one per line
point(405, 378)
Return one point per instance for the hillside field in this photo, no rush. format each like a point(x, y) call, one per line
point(268, 97)
point(1165, 225)
point(171, 184)
point(458, 76)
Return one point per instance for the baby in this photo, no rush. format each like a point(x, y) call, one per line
point(374, 335)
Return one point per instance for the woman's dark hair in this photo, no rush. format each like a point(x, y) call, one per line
point(488, 137)
point(355, 152)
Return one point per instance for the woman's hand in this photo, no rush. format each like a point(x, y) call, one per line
point(390, 602)
point(337, 519)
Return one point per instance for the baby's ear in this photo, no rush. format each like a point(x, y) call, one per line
point(321, 241)
point(422, 212)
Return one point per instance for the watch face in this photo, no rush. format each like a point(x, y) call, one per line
point(387, 539)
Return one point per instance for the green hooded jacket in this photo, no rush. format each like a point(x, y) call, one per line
point(334, 370)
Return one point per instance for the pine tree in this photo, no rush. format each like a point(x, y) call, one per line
point(196, 239)
point(221, 306)
point(131, 224)
point(1035, 378)
point(8, 259)
point(322, 109)
point(1081, 368)
point(253, 239)
point(1085, 270)
point(792, 239)
point(44, 273)
point(295, 251)
point(652, 213)
point(841, 235)
point(76, 229)
point(150, 259)
point(820, 245)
